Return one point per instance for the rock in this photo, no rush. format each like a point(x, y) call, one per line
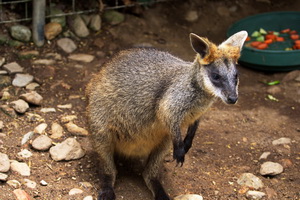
point(3, 72)
point(75, 191)
point(32, 98)
point(282, 141)
point(291, 76)
point(8, 110)
point(28, 54)
point(4, 81)
point(44, 62)
point(25, 153)
point(4, 162)
point(5, 96)
point(20, 167)
point(82, 57)
point(68, 118)
point(2, 61)
point(30, 184)
point(1, 125)
point(20, 32)
point(286, 163)
point(270, 169)
point(21, 195)
point(86, 19)
point(264, 155)
point(32, 86)
point(250, 180)
point(14, 183)
point(88, 198)
point(191, 16)
point(113, 17)
point(20, 106)
point(66, 106)
point(95, 23)
point(274, 90)
point(255, 194)
point(27, 137)
point(56, 130)
point(47, 110)
point(61, 19)
point(54, 56)
point(41, 128)
point(52, 30)
point(189, 197)
point(67, 45)
point(78, 26)
point(3, 177)
point(42, 143)
point(13, 68)
point(76, 130)
point(21, 80)
point(43, 183)
point(69, 149)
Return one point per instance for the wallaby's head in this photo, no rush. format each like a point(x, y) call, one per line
point(218, 65)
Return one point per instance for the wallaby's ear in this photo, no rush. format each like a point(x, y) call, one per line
point(236, 40)
point(199, 45)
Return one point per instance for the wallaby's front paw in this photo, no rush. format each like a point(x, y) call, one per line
point(107, 194)
point(178, 155)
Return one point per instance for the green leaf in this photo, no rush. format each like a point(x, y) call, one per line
point(260, 38)
point(255, 34)
point(262, 31)
point(273, 83)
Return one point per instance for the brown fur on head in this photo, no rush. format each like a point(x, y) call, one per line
point(208, 52)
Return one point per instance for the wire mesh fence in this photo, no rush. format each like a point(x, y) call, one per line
point(21, 10)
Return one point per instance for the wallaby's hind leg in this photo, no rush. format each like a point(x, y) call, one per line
point(107, 168)
point(152, 168)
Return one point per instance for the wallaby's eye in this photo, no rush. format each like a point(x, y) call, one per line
point(215, 76)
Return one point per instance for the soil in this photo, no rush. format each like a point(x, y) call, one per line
point(229, 141)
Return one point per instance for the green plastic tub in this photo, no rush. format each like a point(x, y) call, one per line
point(276, 58)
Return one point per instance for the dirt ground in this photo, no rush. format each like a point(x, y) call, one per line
point(229, 141)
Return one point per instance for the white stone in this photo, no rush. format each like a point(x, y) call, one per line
point(1, 125)
point(271, 168)
point(69, 149)
point(4, 162)
point(43, 183)
point(25, 153)
point(88, 198)
point(250, 180)
point(41, 128)
point(32, 98)
point(75, 191)
point(20, 106)
point(32, 86)
point(44, 62)
point(48, 110)
point(67, 45)
point(255, 194)
point(14, 183)
point(29, 183)
point(282, 141)
point(2, 61)
point(13, 68)
point(42, 143)
point(264, 155)
point(66, 106)
point(27, 137)
point(68, 118)
point(86, 58)
point(20, 167)
point(21, 80)
point(76, 130)
point(3, 177)
point(189, 197)
point(56, 130)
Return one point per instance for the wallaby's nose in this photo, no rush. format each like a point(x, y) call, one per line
point(232, 99)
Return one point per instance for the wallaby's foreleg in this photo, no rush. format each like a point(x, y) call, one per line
point(107, 168)
point(188, 140)
point(152, 169)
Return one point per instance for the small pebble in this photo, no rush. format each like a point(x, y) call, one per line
point(76, 130)
point(1, 125)
point(21, 194)
point(255, 194)
point(56, 131)
point(14, 183)
point(250, 180)
point(20, 167)
point(20, 106)
point(88, 198)
point(13, 68)
point(29, 183)
point(189, 197)
point(4, 162)
point(75, 191)
point(282, 141)
point(25, 153)
point(32, 98)
point(42, 143)
point(48, 110)
point(3, 177)
point(264, 155)
point(43, 183)
point(32, 86)
point(68, 118)
point(27, 137)
point(270, 168)
point(21, 80)
point(66, 106)
point(41, 128)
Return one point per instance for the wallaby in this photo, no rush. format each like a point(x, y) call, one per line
point(142, 99)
